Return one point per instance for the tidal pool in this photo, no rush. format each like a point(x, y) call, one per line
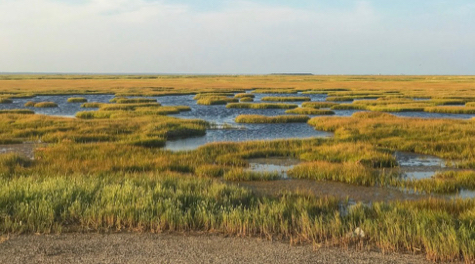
point(273, 164)
point(418, 166)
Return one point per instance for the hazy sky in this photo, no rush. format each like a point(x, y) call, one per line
point(232, 36)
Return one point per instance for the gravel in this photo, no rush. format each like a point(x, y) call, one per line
point(177, 248)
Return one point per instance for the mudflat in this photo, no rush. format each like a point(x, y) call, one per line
point(178, 248)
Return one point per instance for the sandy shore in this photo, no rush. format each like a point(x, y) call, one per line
point(177, 248)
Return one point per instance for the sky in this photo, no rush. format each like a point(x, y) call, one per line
point(238, 37)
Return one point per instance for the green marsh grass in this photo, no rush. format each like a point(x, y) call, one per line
point(127, 107)
point(348, 172)
point(77, 100)
point(207, 95)
point(216, 100)
point(30, 104)
point(318, 105)
point(272, 119)
point(244, 95)
point(91, 105)
point(309, 111)
point(246, 99)
point(240, 174)
point(286, 99)
point(262, 105)
point(41, 104)
point(451, 109)
point(135, 100)
point(5, 100)
point(17, 111)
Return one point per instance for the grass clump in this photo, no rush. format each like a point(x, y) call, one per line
point(41, 104)
point(211, 170)
point(318, 105)
point(241, 174)
point(4, 100)
point(77, 100)
point(17, 111)
point(92, 105)
point(216, 100)
point(309, 111)
point(262, 105)
point(272, 119)
point(286, 99)
point(134, 100)
point(443, 182)
point(348, 172)
point(126, 107)
point(94, 114)
point(12, 163)
point(244, 95)
point(246, 99)
point(207, 95)
point(450, 110)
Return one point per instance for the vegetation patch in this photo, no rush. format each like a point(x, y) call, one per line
point(286, 99)
point(77, 100)
point(262, 105)
point(272, 119)
point(309, 111)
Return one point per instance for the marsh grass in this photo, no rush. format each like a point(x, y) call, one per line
point(216, 100)
point(272, 119)
point(240, 174)
point(309, 111)
point(286, 99)
point(77, 100)
point(41, 104)
point(135, 100)
point(318, 105)
point(451, 109)
point(92, 105)
point(262, 105)
point(246, 99)
point(348, 172)
point(442, 182)
point(127, 107)
point(4, 100)
point(213, 94)
point(17, 111)
point(244, 95)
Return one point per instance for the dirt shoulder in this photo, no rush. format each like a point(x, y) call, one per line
point(177, 248)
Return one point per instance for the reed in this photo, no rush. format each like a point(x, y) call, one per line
point(271, 119)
